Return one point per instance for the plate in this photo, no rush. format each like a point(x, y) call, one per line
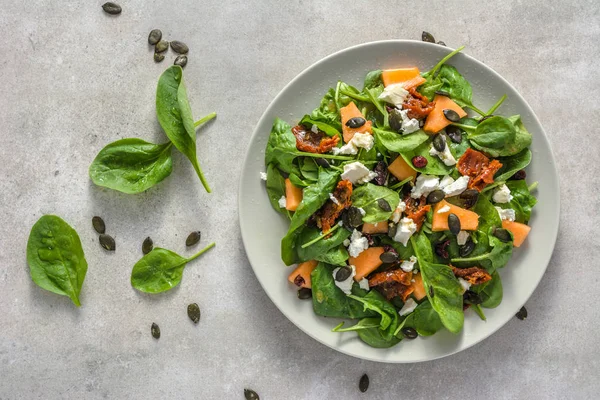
point(262, 228)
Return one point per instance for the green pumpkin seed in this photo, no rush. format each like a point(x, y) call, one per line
point(356, 122)
point(193, 311)
point(453, 223)
point(409, 333)
point(469, 197)
point(98, 224)
point(470, 297)
point(503, 235)
point(181, 61)
point(179, 47)
point(522, 314)
point(439, 143)
point(154, 36)
point(451, 115)
point(454, 133)
point(395, 120)
point(466, 248)
point(158, 57)
point(392, 229)
point(352, 218)
point(363, 384)
point(389, 257)
point(304, 293)
point(250, 394)
point(161, 46)
point(147, 245)
point(427, 37)
point(111, 8)
point(193, 238)
point(322, 162)
point(384, 205)
point(343, 273)
point(155, 330)
point(107, 242)
point(436, 196)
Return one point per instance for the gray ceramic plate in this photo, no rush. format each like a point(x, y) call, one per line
point(262, 228)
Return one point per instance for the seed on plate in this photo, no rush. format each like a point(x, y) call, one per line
point(179, 47)
point(304, 293)
point(343, 273)
point(454, 133)
point(395, 120)
point(363, 384)
point(519, 175)
point(161, 46)
point(250, 394)
point(111, 8)
point(427, 37)
point(410, 333)
point(431, 293)
point(154, 36)
point(352, 218)
point(442, 43)
point(384, 205)
point(439, 143)
point(322, 162)
point(436, 196)
point(502, 234)
point(193, 238)
point(193, 311)
point(181, 61)
point(98, 224)
point(158, 57)
point(522, 314)
point(451, 115)
point(469, 197)
point(419, 161)
point(155, 330)
point(466, 248)
point(453, 223)
point(389, 257)
point(442, 93)
point(147, 245)
point(107, 242)
point(355, 122)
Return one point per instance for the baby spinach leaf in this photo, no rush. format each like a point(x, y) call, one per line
point(523, 198)
point(500, 136)
point(455, 85)
point(488, 215)
point(309, 169)
point(131, 165)
point(522, 137)
point(322, 246)
point(424, 319)
point(512, 164)
point(281, 147)
point(335, 256)
point(365, 323)
point(404, 253)
point(400, 143)
point(328, 129)
point(497, 257)
point(161, 270)
point(373, 79)
point(55, 257)
point(434, 165)
point(175, 116)
point(276, 188)
point(490, 291)
point(381, 339)
point(382, 336)
point(367, 196)
point(327, 111)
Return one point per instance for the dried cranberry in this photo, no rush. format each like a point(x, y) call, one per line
point(389, 249)
point(298, 280)
point(381, 171)
point(419, 161)
point(440, 249)
point(519, 175)
point(369, 239)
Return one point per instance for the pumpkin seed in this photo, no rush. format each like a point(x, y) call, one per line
point(363, 384)
point(470, 297)
point(395, 120)
point(522, 314)
point(193, 311)
point(147, 245)
point(451, 115)
point(410, 333)
point(431, 294)
point(98, 224)
point(454, 133)
point(427, 37)
point(502, 234)
point(179, 47)
point(389, 257)
point(442, 93)
point(453, 223)
point(155, 330)
point(469, 197)
point(111, 8)
point(392, 229)
point(154, 36)
point(304, 293)
point(250, 394)
point(107, 242)
point(158, 57)
point(436, 196)
point(343, 273)
point(466, 248)
point(442, 43)
point(161, 46)
point(181, 61)
point(356, 122)
point(384, 205)
point(322, 162)
point(193, 238)
point(439, 143)
point(352, 218)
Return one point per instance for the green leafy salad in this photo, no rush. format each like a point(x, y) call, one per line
point(404, 200)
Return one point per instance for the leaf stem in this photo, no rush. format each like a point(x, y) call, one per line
point(493, 185)
point(465, 127)
point(477, 110)
point(355, 96)
point(533, 186)
point(495, 106)
point(401, 183)
point(356, 327)
point(479, 311)
point(205, 119)
point(443, 60)
point(321, 236)
point(201, 176)
point(330, 156)
point(336, 97)
point(204, 250)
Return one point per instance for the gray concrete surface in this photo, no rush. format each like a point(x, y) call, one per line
point(75, 79)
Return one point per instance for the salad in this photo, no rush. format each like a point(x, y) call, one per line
point(404, 200)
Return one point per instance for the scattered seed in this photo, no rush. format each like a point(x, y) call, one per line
point(395, 120)
point(147, 245)
point(439, 143)
point(384, 205)
point(343, 274)
point(161, 46)
point(352, 218)
point(98, 224)
point(451, 115)
point(356, 122)
point(519, 175)
point(155, 330)
point(193, 311)
point(158, 57)
point(419, 161)
point(193, 238)
point(111, 8)
point(454, 133)
point(436, 196)
point(410, 333)
point(179, 47)
point(431, 293)
point(363, 384)
point(466, 248)
point(427, 37)
point(469, 197)
point(250, 394)
point(442, 43)
point(107, 242)
point(453, 223)
point(154, 36)
point(304, 293)
point(522, 314)
point(502, 234)
point(389, 257)
point(470, 297)
point(181, 61)
point(442, 93)
point(322, 162)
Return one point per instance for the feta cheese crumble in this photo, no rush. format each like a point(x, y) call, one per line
point(282, 202)
point(444, 209)
point(408, 307)
point(465, 285)
point(462, 238)
point(502, 194)
point(362, 211)
point(357, 244)
point(405, 230)
point(446, 155)
point(345, 285)
point(394, 94)
point(408, 265)
point(424, 185)
point(507, 214)
point(332, 198)
point(314, 128)
point(447, 180)
point(263, 176)
point(457, 187)
point(357, 173)
point(364, 283)
point(409, 125)
point(359, 140)
point(397, 214)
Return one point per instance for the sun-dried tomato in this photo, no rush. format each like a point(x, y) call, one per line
point(417, 105)
point(396, 275)
point(330, 212)
point(392, 289)
point(473, 275)
point(416, 209)
point(478, 167)
point(311, 142)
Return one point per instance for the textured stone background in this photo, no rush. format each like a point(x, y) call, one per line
point(75, 79)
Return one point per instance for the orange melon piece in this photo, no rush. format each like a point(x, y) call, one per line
point(377, 227)
point(519, 231)
point(436, 121)
point(392, 76)
point(418, 287)
point(366, 262)
point(351, 111)
point(469, 220)
point(301, 275)
point(293, 195)
point(414, 82)
point(401, 169)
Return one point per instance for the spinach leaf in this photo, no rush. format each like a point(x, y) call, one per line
point(309, 169)
point(488, 215)
point(424, 319)
point(55, 257)
point(329, 300)
point(281, 147)
point(131, 165)
point(321, 247)
point(434, 166)
point(512, 164)
point(500, 136)
point(366, 156)
point(384, 335)
point(276, 188)
point(365, 323)
point(497, 257)
point(160, 270)
point(404, 253)
point(378, 338)
point(400, 143)
point(327, 111)
point(490, 291)
point(328, 129)
point(521, 197)
point(367, 196)
point(336, 256)
point(175, 116)
point(373, 79)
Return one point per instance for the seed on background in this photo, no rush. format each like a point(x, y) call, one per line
point(158, 57)
point(111, 8)
point(181, 61)
point(193, 238)
point(107, 242)
point(161, 46)
point(363, 384)
point(154, 36)
point(179, 47)
point(442, 43)
point(98, 224)
point(427, 37)
point(250, 394)
point(147, 245)
point(193, 311)
point(155, 330)
point(522, 314)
